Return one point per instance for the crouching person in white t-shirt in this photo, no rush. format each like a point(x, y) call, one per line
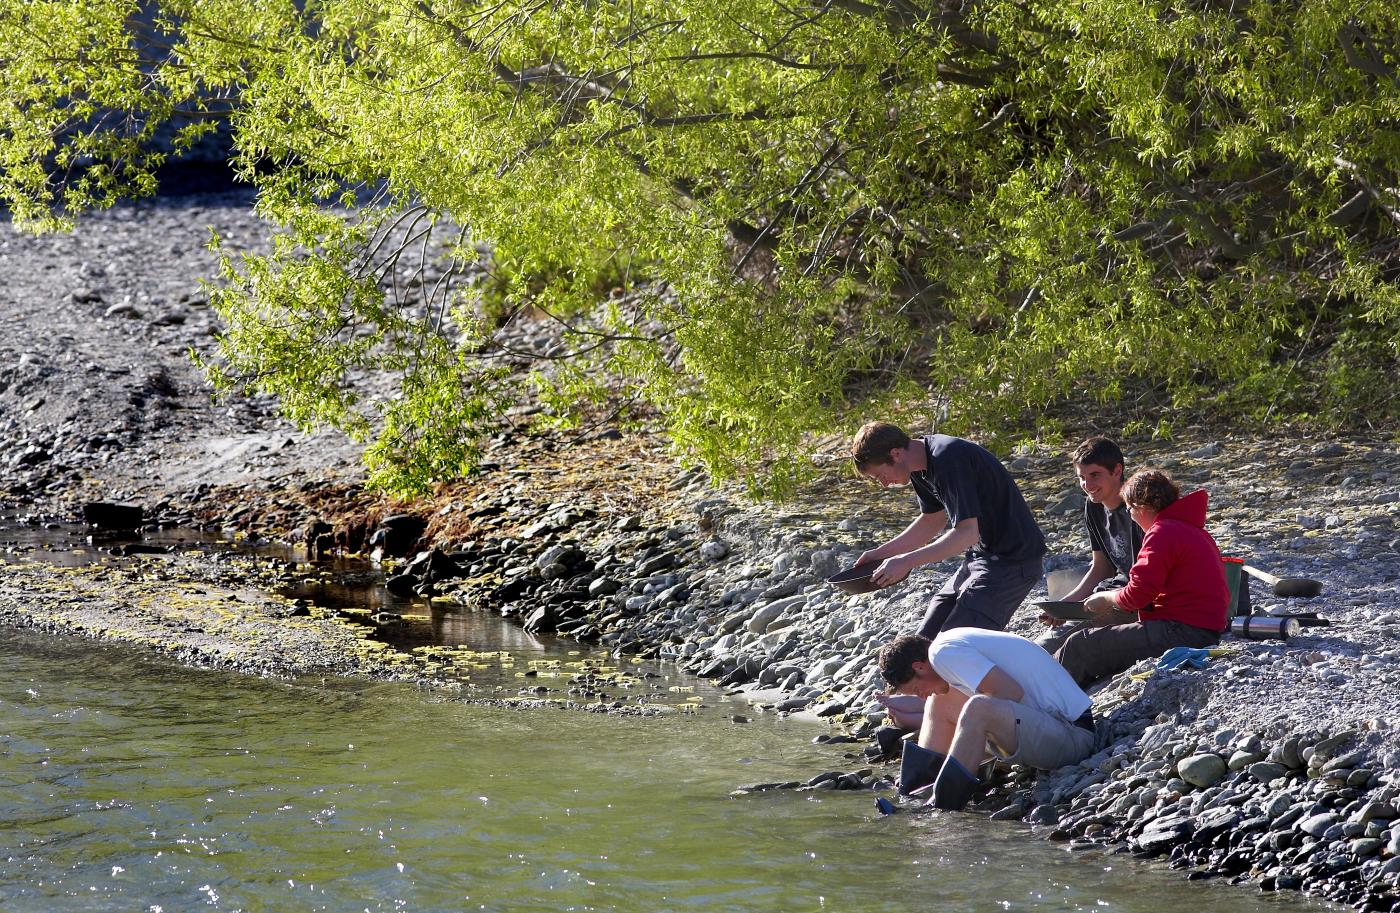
point(984, 692)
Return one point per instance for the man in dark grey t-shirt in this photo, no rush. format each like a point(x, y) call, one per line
point(969, 505)
point(1114, 539)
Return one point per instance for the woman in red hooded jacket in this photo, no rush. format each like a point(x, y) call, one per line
point(1176, 588)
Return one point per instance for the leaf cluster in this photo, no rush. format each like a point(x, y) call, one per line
point(757, 220)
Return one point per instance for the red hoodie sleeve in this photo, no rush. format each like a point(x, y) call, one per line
point(1147, 576)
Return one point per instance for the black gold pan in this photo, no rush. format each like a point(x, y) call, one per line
point(1064, 610)
point(856, 579)
point(1300, 587)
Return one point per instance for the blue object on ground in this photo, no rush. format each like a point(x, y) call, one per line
point(1179, 657)
point(884, 806)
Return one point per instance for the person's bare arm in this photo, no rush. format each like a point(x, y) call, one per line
point(997, 683)
point(920, 532)
point(906, 710)
point(953, 542)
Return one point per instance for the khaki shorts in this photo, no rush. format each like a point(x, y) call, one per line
point(1045, 742)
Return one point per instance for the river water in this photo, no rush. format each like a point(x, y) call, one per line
point(127, 784)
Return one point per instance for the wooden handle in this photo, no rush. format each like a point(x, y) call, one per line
point(1288, 587)
point(1270, 579)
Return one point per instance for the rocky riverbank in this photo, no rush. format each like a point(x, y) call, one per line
point(1278, 763)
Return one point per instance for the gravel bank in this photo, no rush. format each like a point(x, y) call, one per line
point(98, 397)
point(1276, 764)
point(211, 611)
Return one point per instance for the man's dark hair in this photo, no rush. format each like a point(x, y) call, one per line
point(873, 443)
point(897, 658)
point(1150, 488)
point(1099, 451)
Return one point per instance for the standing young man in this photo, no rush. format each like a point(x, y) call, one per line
point(984, 690)
point(968, 505)
point(1114, 539)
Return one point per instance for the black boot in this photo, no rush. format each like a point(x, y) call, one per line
point(954, 786)
point(918, 767)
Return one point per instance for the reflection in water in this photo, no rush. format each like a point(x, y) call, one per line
point(458, 626)
point(71, 544)
point(360, 590)
point(354, 585)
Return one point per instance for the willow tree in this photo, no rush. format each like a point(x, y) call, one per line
point(756, 218)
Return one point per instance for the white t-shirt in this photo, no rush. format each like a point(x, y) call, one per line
point(964, 656)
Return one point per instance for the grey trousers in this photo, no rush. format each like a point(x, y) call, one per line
point(980, 594)
point(1055, 638)
point(1092, 653)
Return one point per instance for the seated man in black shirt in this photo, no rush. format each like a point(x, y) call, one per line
point(969, 505)
point(1114, 538)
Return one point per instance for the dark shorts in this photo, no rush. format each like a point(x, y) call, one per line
point(981, 594)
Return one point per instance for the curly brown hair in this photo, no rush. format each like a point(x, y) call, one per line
point(897, 658)
point(1152, 489)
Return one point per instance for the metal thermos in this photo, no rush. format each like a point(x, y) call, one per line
point(1262, 627)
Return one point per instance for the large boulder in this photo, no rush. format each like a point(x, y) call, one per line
point(542, 620)
point(319, 538)
point(433, 566)
point(396, 535)
point(766, 615)
point(1202, 770)
point(1164, 833)
point(1267, 771)
point(109, 515)
point(401, 585)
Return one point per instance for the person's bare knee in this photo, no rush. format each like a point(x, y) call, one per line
point(987, 718)
point(950, 704)
point(976, 712)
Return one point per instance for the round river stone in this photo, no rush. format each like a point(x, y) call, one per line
point(1202, 770)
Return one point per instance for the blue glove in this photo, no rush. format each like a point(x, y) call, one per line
point(1182, 657)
